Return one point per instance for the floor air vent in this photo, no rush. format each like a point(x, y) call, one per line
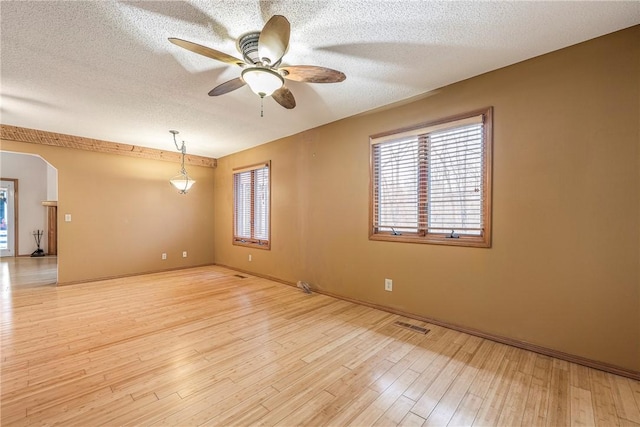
point(414, 328)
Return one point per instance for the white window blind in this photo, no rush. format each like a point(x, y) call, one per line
point(432, 182)
point(455, 180)
point(251, 205)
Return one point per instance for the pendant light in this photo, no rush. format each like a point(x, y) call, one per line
point(181, 182)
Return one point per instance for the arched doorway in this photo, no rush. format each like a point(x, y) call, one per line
point(28, 192)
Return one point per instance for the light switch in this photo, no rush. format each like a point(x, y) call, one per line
point(67, 217)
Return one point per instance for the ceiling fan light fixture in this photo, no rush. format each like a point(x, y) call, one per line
point(262, 81)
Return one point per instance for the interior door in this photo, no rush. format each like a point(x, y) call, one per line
point(7, 218)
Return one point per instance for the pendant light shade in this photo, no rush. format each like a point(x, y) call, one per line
point(262, 81)
point(181, 182)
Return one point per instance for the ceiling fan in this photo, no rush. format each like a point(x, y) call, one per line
point(262, 52)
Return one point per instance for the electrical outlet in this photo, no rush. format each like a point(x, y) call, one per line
point(249, 257)
point(164, 256)
point(388, 285)
point(184, 254)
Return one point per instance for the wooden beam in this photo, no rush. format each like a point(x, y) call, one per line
point(33, 136)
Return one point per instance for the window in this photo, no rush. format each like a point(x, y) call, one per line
point(251, 203)
point(432, 183)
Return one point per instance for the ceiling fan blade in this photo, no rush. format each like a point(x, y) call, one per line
point(227, 87)
point(207, 51)
point(274, 39)
point(312, 74)
point(284, 97)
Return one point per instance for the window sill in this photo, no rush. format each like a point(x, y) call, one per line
point(436, 239)
point(250, 244)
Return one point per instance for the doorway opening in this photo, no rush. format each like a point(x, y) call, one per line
point(28, 220)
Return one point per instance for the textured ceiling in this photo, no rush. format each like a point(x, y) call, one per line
point(105, 70)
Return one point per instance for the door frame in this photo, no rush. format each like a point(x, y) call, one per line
point(15, 214)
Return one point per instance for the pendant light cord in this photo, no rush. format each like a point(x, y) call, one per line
point(182, 149)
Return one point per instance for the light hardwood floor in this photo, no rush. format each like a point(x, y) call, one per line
point(27, 272)
point(203, 346)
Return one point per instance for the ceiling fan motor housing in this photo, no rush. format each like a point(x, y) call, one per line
point(248, 46)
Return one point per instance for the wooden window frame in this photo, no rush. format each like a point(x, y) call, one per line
point(422, 236)
point(251, 241)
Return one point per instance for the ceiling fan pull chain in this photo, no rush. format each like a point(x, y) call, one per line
point(262, 106)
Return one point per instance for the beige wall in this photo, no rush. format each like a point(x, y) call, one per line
point(125, 214)
point(563, 271)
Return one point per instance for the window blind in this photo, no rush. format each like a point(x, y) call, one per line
point(242, 196)
point(261, 204)
point(430, 180)
point(251, 205)
point(455, 180)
